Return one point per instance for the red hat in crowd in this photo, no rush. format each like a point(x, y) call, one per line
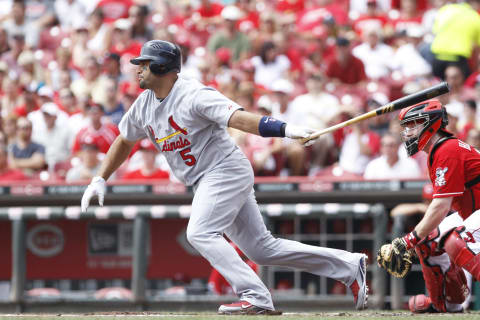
point(223, 54)
point(183, 39)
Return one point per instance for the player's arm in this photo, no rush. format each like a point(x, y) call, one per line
point(436, 212)
point(266, 126)
point(245, 121)
point(396, 257)
point(116, 155)
point(36, 161)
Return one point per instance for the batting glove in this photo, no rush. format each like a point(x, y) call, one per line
point(96, 188)
point(294, 132)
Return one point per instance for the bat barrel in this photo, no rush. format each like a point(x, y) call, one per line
point(415, 98)
point(401, 103)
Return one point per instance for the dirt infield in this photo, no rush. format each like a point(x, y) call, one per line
point(380, 315)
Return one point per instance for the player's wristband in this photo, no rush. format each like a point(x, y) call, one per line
point(411, 239)
point(271, 127)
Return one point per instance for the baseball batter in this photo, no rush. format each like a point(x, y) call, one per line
point(444, 244)
point(187, 122)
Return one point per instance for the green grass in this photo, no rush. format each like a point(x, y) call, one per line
point(373, 315)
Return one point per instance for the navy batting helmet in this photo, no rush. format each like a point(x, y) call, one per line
point(164, 56)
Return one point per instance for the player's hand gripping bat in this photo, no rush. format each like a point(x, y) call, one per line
point(398, 104)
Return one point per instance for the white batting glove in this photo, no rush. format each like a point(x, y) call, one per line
point(294, 132)
point(97, 187)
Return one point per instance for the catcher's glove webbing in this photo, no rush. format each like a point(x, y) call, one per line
point(395, 258)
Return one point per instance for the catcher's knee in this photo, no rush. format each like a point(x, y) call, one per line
point(458, 251)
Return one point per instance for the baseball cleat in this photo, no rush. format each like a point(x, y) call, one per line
point(246, 308)
point(421, 304)
point(359, 286)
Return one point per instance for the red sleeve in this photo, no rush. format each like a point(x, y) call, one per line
point(374, 142)
point(76, 143)
point(471, 80)
point(360, 69)
point(217, 282)
point(160, 174)
point(132, 175)
point(114, 129)
point(447, 171)
point(330, 70)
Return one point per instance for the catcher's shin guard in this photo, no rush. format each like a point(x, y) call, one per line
point(456, 285)
point(460, 254)
point(434, 279)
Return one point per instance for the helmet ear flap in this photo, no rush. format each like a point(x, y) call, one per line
point(156, 68)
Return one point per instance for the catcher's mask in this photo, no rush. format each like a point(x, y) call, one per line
point(420, 122)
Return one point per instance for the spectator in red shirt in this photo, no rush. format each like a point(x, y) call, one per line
point(87, 164)
point(148, 169)
point(470, 108)
point(359, 147)
point(265, 155)
point(114, 9)
point(209, 9)
point(122, 41)
point(29, 101)
point(103, 133)
point(67, 101)
point(408, 16)
point(373, 17)
point(344, 67)
point(290, 6)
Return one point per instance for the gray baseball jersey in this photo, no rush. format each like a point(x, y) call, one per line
point(188, 127)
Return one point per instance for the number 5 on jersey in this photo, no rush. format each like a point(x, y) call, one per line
point(188, 158)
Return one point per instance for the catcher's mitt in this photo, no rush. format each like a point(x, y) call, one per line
point(395, 258)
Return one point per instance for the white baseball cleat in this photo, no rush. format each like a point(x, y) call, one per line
point(244, 307)
point(359, 286)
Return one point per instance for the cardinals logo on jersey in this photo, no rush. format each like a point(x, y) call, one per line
point(178, 130)
point(440, 176)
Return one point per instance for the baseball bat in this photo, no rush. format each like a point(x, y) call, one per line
point(398, 104)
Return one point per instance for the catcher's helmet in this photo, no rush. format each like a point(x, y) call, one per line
point(420, 123)
point(164, 56)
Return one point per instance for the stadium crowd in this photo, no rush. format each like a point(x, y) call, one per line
point(66, 79)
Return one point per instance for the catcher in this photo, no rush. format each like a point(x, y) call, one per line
point(444, 244)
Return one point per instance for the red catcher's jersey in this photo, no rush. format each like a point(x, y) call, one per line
point(454, 164)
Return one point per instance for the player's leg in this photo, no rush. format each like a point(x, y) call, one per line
point(463, 245)
point(251, 235)
point(446, 283)
point(218, 197)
